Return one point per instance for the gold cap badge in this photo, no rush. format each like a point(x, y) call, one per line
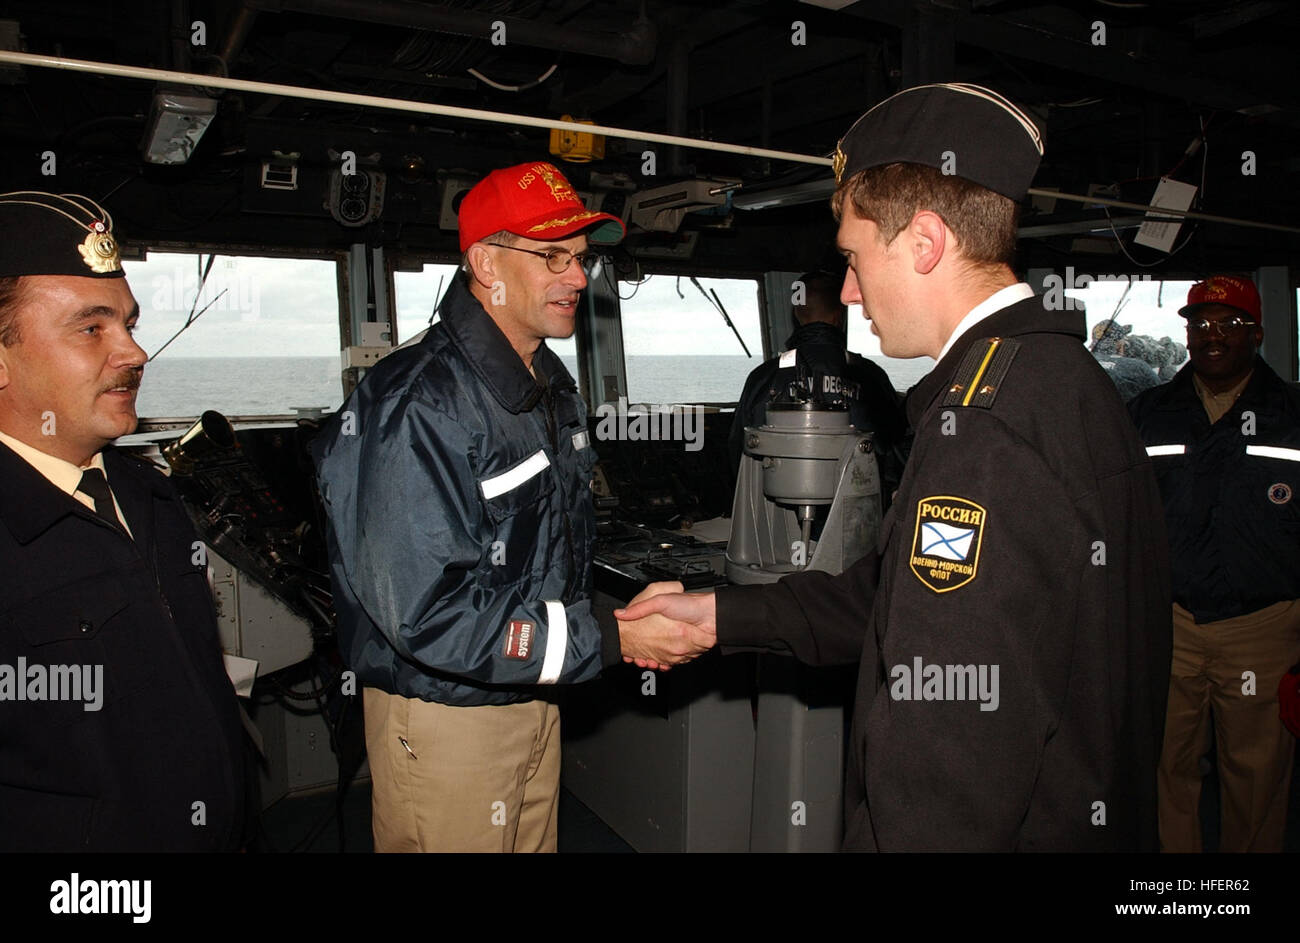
point(99, 250)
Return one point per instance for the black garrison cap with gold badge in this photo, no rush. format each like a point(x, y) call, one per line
point(966, 130)
point(56, 234)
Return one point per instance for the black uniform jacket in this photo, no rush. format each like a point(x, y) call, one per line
point(1231, 492)
point(159, 766)
point(1026, 537)
point(826, 369)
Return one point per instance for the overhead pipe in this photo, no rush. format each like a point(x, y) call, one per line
point(527, 121)
point(632, 46)
point(393, 104)
point(241, 25)
point(1158, 211)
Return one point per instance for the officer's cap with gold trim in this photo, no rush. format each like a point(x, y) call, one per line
point(966, 130)
point(56, 234)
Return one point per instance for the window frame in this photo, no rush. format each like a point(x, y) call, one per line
point(132, 251)
point(677, 270)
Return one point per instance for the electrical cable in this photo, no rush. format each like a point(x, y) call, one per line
point(514, 88)
point(1202, 144)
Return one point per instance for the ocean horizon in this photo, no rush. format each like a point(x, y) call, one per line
point(263, 386)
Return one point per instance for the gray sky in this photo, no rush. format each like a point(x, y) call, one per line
point(272, 307)
point(657, 321)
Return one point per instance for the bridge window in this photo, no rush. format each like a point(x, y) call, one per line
point(1148, 312)
point(417, 295)
point(1147, 308)
point(264, 336)
point(677, 345)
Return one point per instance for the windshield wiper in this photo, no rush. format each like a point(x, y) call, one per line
point(717, 303)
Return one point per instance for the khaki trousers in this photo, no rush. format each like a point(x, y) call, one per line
point(483, 779)
point(1255, 752)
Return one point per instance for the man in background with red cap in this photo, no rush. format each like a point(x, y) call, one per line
point(119, 730)
point(456, 481)
point(1224, 436)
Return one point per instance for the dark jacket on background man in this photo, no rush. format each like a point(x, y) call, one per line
point(1231, 492)
point(458, 494)
point(78, 591)
point(1026, 534)
point(828, 370)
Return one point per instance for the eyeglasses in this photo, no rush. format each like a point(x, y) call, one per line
point(557, 260)
point(1227, 327)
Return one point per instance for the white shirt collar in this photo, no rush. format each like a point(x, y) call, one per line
point(62, 474)
point(1004, 298)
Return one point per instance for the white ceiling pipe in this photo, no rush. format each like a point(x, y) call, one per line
point(478, 114)
point(392, 104)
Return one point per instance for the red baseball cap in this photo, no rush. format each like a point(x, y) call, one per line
point(1230, 290)
point(534, 201)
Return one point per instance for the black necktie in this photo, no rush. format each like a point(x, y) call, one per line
point(94, 483)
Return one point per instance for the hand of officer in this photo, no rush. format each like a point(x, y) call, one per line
point(626, 643)
point(663, 626)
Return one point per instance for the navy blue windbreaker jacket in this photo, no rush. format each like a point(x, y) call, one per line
point(457, 491)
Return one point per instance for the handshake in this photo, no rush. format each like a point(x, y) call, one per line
point(664, 626)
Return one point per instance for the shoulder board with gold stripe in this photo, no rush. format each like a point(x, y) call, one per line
point(981, 373)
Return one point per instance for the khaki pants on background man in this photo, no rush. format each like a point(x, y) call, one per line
point(1255, 752)
point(478, 779)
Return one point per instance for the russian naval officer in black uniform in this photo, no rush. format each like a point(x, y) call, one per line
point(119, 729)
point(1013, 628)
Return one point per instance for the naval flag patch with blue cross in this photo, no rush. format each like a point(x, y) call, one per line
point(946, 546)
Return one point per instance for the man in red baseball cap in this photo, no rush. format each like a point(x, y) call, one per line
point(1223, 331)
point(456, 481)
point(522, 211)
point(1224, 437)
